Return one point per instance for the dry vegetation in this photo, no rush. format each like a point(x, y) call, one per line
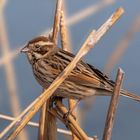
point(47, 124)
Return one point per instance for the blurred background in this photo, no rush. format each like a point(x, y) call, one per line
point(20, 21)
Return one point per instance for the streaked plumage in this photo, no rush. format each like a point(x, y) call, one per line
point(49, 61)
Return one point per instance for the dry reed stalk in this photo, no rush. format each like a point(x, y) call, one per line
point(65, 42)
point(17, 119)
point(122, 45)
point(70, 120)
point(84, 14)
point(47, 129)
point(65, 39)
point(113, 106)
point(57, 20)
point(59, 115)
point(92, 39)
point(50, 123)
point(87, 12)
point(34, 124)
point(9, 69)
point(47, 123)
point(72, 103)
point(42, 123)
point(69, 125)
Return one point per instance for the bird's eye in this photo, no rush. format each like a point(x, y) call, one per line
point(37, 46)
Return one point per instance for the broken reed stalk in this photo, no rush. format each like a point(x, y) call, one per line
point(57, 20)
point(92, 39)
point(47, 129)
point(113, 106)
point(65, 42)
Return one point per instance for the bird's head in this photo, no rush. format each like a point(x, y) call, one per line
point(37, 47)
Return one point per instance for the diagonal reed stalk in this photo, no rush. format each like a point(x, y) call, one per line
point(34, 124)
point(92, 39)
point(71, 123)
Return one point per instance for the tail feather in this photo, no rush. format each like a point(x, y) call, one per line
point(130, 95)
point(124, 93)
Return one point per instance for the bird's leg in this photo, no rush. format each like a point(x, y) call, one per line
point(71, 110)
point(55, 99)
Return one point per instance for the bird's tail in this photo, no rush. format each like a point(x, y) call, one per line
point(130, 95)
point(124, 93)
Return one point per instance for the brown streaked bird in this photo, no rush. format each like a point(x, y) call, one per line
point(48, 61)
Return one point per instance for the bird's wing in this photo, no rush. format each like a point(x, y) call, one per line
point(87, 75)
point(102, 75)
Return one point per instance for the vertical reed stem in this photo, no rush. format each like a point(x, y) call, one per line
point(113, 106)
point(57, 20)
point(65, 42)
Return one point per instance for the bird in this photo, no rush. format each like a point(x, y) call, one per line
point(48, 61)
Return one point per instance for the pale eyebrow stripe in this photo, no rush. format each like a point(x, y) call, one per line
point(43, 43)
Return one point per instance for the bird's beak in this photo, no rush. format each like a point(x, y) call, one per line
point(24, 50)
